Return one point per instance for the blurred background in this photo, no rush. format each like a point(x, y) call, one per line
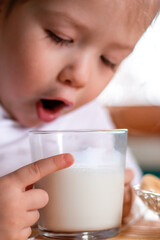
point(133, 99)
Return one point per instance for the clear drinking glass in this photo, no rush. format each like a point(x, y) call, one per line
point(85, 200)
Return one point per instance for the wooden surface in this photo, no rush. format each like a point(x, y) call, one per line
point(142, 229)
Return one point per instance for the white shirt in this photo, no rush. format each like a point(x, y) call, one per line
point(14, 140)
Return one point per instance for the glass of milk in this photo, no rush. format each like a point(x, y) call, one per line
point(85, 200)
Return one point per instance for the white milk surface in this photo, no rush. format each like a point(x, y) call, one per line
point(83, 199)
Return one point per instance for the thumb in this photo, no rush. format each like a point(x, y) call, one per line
point(31, 173)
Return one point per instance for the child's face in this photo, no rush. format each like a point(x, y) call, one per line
point(57, 55)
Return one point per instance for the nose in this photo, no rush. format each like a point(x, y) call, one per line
point(77, 72)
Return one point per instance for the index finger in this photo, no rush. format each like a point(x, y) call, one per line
point(31, 173)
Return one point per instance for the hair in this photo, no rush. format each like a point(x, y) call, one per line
point(11, 5)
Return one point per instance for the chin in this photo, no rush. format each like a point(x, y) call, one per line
point(24, 122)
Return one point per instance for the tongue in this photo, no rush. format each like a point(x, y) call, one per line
point(45, 114)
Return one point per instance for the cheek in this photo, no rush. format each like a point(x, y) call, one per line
point(96, 86)
point(26, 70)
point(26, 64)
point(100, 83)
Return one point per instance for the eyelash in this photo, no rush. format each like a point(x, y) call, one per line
point(58, 40)
point(108, 63)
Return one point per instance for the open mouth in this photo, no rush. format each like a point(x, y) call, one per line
point(48, 110)
point(53, 105)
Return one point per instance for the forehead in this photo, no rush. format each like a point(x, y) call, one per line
point(124, 11)
point(109, 8)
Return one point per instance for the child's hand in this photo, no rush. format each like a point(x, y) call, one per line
point(19, 203)
point(128, 192)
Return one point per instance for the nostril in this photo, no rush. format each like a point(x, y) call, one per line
point(68, 82)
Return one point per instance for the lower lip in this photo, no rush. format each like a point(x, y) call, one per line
point(44, 114)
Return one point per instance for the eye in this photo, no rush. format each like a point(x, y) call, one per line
point(108, 63)
point(57, 39)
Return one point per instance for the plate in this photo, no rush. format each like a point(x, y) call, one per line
point(150, 199)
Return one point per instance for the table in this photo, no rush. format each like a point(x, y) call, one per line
point(141, 230)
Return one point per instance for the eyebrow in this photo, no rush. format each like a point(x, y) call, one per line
point(68, 18)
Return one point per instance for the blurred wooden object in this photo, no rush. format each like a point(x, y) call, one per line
point(139, 120)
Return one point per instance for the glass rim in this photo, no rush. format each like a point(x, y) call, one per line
point(116, 131)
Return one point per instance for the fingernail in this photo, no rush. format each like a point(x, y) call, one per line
point(68, 158)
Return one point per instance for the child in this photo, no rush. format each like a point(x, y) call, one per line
point(55, 56)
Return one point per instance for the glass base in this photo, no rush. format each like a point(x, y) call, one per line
point(80, 235)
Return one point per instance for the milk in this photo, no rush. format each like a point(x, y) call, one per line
point(83, 199)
